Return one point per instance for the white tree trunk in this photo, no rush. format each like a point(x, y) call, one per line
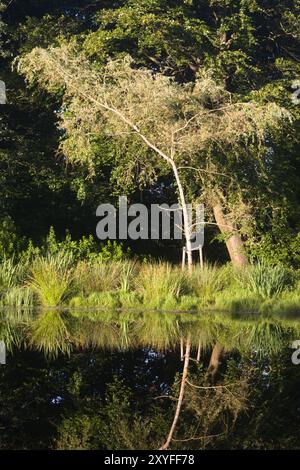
point(186, 220)
point(181, 393)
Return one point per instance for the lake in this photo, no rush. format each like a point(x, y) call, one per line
point(91, 379)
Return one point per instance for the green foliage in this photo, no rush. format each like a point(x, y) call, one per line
point(159, 285)
point(122, 426)
point(51, 278)
point(2, 29)
point(85, 248)
point(10, 243)
point(49, 333)
point(283, 248)
point(207, 282)
point(77, 432)
point(267, 337)
point(158, 33)
point(267, 281)
point(252, 49)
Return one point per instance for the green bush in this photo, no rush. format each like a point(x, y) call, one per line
point(266, 280)
point(161, 285)
point(51, 278)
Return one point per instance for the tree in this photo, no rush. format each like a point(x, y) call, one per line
point(29, 136)
point(165, 446)
point(253, 47)
point(2, 28)
point(176, 123)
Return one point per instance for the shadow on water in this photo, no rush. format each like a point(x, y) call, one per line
point(91, 379)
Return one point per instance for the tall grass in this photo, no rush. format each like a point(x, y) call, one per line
point(55, 279)
point(160, 283)
point(50, 334)
point(8, 275)
point(51, 278)
point(267, 281)
point(18, 298)
point(207, 282)
point(103, 277)
point(267, 337)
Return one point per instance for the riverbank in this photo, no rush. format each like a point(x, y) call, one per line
point(58, 280)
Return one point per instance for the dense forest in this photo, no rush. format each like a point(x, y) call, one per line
point(187, 102)
point(57, 167)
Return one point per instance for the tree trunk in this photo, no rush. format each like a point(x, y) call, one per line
point(215, 360)
point(186, 220)
point(199, 352)
point(233, 240)
point(181, 393)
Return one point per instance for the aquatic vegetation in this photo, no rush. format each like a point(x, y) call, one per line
point(50, 334)
point(207, 282)
point(266, 280)
point(160, 284)
point(8, 275)
point(58, 280)
point(51, 278)
point(19, 298)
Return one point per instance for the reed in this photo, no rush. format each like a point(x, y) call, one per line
point(51, 278)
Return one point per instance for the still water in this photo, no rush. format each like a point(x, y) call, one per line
point(144, 380)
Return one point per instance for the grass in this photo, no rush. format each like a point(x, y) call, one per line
point(267, 281)
point(91, 277)
point(8, 275)
point(51, 279)
point(162, 286)
point(207, 282)
point(56, 280)
point(49, 333)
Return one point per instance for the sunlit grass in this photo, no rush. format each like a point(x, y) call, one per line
point(264, 280)
point(51, 279)
point(93, 277)
point(49, 333)
point(56, 280)
point(161, 285)
point(9, 272)
point(18, 298)
point(207, 282)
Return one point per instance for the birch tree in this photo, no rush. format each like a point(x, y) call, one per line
point(175, 125)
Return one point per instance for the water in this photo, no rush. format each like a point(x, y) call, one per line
point(111, 380)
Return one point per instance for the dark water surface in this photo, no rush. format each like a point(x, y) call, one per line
point(111, 380)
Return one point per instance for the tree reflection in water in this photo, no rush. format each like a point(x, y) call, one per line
point(147, 380)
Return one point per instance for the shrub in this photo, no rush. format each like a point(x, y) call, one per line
point(50, 333)
point(207, 282)
point(266, 280)
point(8, 275)
point(51, 278)
point(159, 283)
